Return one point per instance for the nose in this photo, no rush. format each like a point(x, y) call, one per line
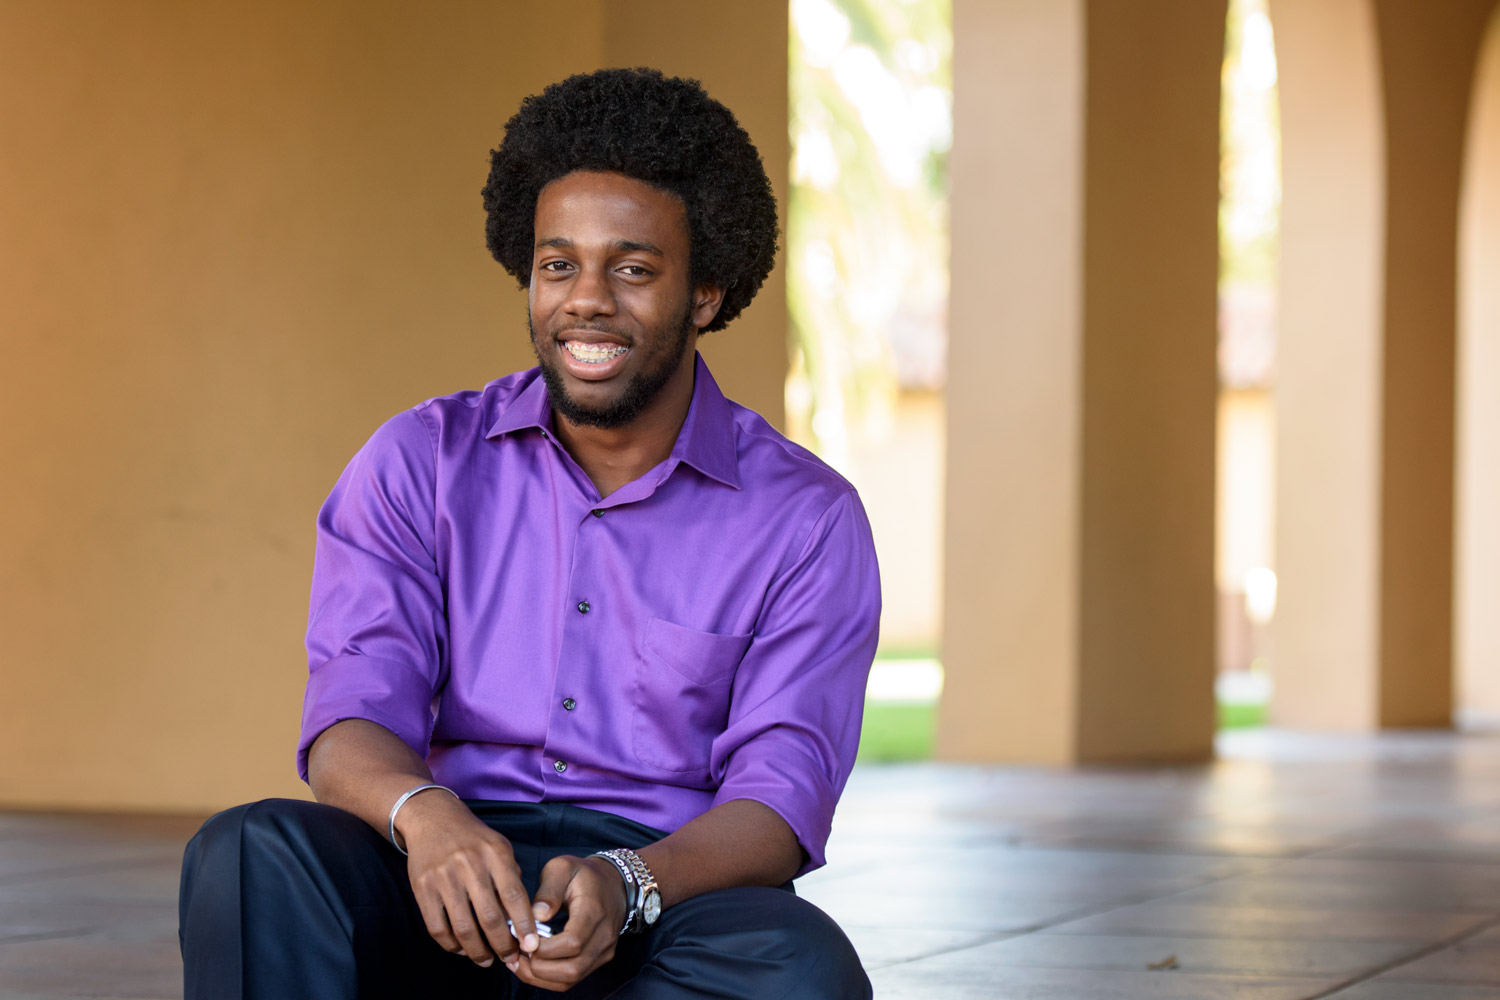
point(590, 295)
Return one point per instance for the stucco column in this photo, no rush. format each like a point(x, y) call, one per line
point(1428, 55)
point(1374, 108)
point(1329, 362)
point(1477, 529)
point(1079, 550)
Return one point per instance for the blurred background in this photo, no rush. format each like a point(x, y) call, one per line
point(1161, 339)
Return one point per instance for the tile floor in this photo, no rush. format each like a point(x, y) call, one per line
point(1295, 867)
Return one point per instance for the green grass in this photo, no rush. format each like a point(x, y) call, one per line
point(896, 731)
point(903, 731)
point(1241, 716)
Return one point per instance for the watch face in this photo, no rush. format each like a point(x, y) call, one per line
point(652, 909)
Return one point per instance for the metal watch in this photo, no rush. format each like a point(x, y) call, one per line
point(648, 908)
point(643, 896)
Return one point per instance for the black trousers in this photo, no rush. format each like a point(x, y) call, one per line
point(286, 899)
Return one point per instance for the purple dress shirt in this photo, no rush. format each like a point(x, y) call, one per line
point(702, 634)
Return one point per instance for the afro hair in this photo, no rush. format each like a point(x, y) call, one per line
point(665, 131)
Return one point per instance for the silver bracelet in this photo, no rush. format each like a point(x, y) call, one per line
point(402, 801)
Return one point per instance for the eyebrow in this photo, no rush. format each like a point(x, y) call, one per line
point(619, 246)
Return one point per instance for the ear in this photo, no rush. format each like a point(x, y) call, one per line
point(706, 302)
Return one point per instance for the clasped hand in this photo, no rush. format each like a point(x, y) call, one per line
point(468, 884)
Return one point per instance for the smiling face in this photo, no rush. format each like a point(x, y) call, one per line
point(612, 312)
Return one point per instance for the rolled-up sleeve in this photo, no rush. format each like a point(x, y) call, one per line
point(798, 695)
point(377, 633)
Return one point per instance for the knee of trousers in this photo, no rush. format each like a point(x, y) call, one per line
point(797, 947)
point(827, 965)
point(283, 892)
point(212, 869)
point(272, 835)
point(269, 826)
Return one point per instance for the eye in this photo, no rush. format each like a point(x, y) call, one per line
point(553, 266)
point(636, 270)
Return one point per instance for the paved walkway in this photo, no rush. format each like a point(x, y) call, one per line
point(1296, 867)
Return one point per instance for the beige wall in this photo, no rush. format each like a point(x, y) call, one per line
point(1079, 586)
point(739, 51)
point(1477, 529)
point(235, 238)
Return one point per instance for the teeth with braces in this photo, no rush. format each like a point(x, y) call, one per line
point(594, 353)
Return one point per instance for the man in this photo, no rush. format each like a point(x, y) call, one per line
point(594, 607)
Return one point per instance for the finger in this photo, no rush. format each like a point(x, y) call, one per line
point(550, 979)
point(585, 944)
point(466, 927)
point(485, 900)
point(435, 917)
point(515, 906)
point(553, 887)
point(568, 965)
point(595, 900)
point(569, 972)
point(558, 947)
point(584, 926)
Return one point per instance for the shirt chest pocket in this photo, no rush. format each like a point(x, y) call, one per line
point(682, 688)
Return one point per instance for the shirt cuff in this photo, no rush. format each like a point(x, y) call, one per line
point(787, 780)
point(384, 692)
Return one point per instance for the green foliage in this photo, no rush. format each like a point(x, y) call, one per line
point(867, 235)
point(1249, 150)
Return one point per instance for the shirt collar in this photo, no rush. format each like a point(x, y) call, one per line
point(528, 408)
point(706, 441)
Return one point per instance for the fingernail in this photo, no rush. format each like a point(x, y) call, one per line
point(512, 964)
point(539, 910)
point(487, 963)
point(530, 943)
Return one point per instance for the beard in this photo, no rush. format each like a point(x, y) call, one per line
point(657, 369)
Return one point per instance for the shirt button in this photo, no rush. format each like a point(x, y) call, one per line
point(559, 766)
point(583, 607)
point(569, 704)
point(598, 513)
